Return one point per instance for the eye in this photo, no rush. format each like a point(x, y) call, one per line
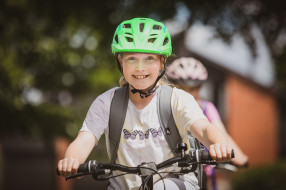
point(131, 59)
point(150, 58)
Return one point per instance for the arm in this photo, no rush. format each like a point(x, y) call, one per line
point(240, 158)
point(217, 143)
point(213, 116)
point(76, 153)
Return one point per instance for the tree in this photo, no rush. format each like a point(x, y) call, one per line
point(55, 56)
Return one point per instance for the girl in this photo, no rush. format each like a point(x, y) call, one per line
point(189, 74)
point(141, 47)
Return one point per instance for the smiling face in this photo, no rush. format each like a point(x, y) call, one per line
point(141, 69)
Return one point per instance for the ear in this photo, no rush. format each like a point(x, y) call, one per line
point(163, 62)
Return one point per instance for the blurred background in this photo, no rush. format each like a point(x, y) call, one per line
point(55, 59)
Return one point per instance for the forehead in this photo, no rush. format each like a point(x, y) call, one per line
point(140, 54)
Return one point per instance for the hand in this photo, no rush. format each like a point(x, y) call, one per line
point(240, 160)
point(68, 166)
point(220, 152)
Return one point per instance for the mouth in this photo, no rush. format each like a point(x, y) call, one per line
point(140, 76)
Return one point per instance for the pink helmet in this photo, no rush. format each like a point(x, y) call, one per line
point(187, 71)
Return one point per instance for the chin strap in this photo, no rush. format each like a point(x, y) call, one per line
point(151, 91)
point(144, 94)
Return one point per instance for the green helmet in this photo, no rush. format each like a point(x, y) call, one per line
point(143, 35)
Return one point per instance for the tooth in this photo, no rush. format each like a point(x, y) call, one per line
point(140, 76)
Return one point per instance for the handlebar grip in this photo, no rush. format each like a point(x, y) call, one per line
point(83, 168)
point(205, 155)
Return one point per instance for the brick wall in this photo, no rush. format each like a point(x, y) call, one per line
point(252, 120)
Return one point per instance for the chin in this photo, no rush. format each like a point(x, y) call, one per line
point(140, 87)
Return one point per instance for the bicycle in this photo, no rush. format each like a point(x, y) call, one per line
point(218, 172)
point(187, 162)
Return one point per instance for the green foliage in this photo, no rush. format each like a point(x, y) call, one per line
point(262, 178)
point(55, 56)
point(48, 58)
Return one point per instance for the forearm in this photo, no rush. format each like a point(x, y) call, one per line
point(206, 133)
point(214, 136)
point(81, 147)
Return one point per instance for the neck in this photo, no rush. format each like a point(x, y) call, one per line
point(139, 102)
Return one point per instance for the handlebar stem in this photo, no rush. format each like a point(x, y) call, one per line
point(147, 168)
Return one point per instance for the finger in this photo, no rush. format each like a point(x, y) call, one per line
point(69, 166)
point(217, 148)
point(64, 168)
point(212, 152)
point(229, 151)
point(75, 166)
point(223, 149)
point(60, 167)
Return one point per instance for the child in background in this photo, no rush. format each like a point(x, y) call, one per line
point(189, 75)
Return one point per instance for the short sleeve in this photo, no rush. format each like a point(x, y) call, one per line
point(97, 118)
point(185, 109)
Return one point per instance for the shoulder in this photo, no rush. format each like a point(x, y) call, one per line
point(178, 93)
point(182, 99)
point(108, 95)
point(104, 98)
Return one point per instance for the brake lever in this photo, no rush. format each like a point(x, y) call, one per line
point(76, 175)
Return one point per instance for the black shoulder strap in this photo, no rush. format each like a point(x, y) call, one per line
point(166, 118)
point(117, 115)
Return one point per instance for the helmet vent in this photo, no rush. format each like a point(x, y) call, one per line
point(141, 27)
point(151, 40)
point(126, 26)
point(116, 38)
point(157, 27)
point(129, 39)
point(166, 40)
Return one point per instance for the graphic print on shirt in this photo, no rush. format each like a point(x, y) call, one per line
point(155, 133)
point(128, 135)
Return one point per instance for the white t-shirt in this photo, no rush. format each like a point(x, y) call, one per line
point(142, 138)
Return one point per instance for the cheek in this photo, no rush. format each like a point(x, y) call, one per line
point(126, 70)
point(155, 68)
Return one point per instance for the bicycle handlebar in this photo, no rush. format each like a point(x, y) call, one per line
point(98, 170)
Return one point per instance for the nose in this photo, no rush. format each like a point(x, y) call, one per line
point(140, 66)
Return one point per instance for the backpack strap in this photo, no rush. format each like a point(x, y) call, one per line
point(117, 116)
point(166, 118)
